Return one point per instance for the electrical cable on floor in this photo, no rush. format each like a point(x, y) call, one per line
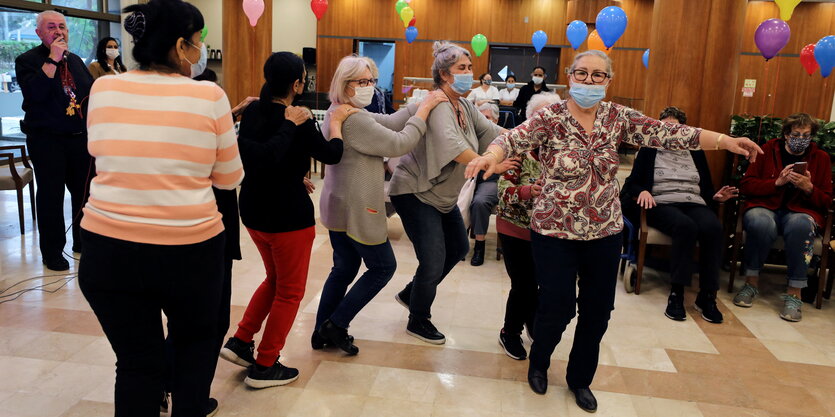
point(17, 294)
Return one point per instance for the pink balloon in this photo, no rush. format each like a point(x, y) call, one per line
point(253, 10)
point(771, 36)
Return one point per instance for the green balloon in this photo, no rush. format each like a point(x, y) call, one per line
point(399, 6)
point(203, 33)
point(479, 44)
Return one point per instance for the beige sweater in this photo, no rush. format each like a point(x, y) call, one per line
point(353, 198)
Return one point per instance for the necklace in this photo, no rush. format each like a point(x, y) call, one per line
point(462, 122)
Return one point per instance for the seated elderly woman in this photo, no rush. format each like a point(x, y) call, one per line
point(485, 198)
point(576, 222)
point(787, 193)
point(676, 190)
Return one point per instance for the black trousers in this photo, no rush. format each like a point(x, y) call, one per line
point(59, 161)
point(688, 224)
point(522, 298)
point(128, 285)
point(559, 262)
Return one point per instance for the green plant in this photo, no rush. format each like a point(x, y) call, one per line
point(826, 137)
point(760, 129)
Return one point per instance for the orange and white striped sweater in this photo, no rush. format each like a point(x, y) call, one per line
point(160, 143)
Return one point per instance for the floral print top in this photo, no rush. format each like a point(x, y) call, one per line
point(579, 199)
point(514, 186)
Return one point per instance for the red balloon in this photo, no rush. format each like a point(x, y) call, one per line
point(413, 21)
point(319, 8)
point(807, 58)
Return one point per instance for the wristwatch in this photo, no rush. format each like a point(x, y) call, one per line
point(51, 61)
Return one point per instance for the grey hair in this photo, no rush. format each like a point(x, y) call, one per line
point(539, 101)
point(594, 52)
point(446, 55)
point(494, 109)
point(42, 15)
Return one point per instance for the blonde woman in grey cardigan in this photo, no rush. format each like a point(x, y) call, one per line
point(352, 204)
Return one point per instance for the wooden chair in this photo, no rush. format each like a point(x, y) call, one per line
point(822, 248)
point(19, 176)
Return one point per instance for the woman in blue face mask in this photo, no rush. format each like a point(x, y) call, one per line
point(576, 222)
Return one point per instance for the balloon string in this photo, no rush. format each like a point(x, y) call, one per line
point(776, 86)
point(762, 107)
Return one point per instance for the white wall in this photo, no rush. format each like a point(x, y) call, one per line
point(294, 25)
point(213, 16)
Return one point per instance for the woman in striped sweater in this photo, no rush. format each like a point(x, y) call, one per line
point(153, 237)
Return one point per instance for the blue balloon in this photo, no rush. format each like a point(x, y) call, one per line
point(825, 54)
point(611, 23)
point(577, 31)
point(646, 58)
point(539, 39)
point(411, 34)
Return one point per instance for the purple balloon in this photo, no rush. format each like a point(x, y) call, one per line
point(771, 36)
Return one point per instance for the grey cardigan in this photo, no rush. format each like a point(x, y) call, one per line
point(353, 198)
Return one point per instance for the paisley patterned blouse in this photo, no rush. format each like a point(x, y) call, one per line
point(579, 199)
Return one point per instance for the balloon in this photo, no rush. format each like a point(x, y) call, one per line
point(479, 44)
point(400, 5)
point(825, 54)
point(786, 8)
point(645, 58)
point(577, 31)
point(203, 33)
point(611, 23)
point(413, 21)
point(319, 8)
point(771, 36)
point(253, 10)
point(596, 43)
point(406, 15)
point(807, 58)
point(539, 39)
point(411, 34)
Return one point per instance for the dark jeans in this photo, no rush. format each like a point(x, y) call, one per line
point(348, 255)
point(762, 226)
point(559, 262)
point(687, 224)
point(128, 285)
point(440, 241)
point(485, 198)
point(59, 162)
point(521, 300)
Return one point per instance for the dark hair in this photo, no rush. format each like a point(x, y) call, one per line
point(511, 75)
point(481, 77)
point(800, 120)
point(281, 71)
point(544, 71)
point(101, 56)
point(675, 113)
point(157, 25)
point(207, 75)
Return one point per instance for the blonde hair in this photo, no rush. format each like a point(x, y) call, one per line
point(539, 101)
point(349, 68)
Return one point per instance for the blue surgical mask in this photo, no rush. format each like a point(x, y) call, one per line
point(487, 82)
point(511, 86)
point(198, 67)
point(586, 96)
point(463, 83)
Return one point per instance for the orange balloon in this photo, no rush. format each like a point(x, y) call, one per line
point(595, 42)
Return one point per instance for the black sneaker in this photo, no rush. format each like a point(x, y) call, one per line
point(211, 408)
point(318, 342)
point(57, 263)
point(260, 377)
point(338, 337)
point(238, 352)
point(706, 304)
point(478, 254)
point(423, 329)
point(675, 307)
point(512, 345)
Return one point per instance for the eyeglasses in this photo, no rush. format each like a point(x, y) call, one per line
point(799, 136)
point(596, 77)
point(365, 82)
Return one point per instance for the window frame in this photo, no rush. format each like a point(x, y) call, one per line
point(45, 5)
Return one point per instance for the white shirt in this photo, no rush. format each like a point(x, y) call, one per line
point(478, 94)
point(508, 94)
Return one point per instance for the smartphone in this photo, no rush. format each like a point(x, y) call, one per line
point(799, 167)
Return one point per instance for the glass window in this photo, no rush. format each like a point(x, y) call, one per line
point(114, 6)
point(92, 5)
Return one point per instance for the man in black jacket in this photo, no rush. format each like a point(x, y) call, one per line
point(55, 85)
point(535, 86)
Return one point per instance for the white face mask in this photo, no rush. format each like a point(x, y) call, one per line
point(537, 80)
point(112, 53)
point(362, 96)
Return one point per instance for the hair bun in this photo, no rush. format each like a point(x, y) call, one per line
point(438, 47)
point(135, 24)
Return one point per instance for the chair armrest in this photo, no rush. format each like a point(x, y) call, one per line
point(24, 158)
point(644, 229)
point(827, 229)
point(12, 169)
point(739, 215)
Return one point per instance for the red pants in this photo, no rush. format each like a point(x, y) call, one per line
point(286, 258)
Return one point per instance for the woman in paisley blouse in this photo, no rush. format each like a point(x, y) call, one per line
point(576, 222)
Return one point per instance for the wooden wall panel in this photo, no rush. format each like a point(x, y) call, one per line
point(245, 50)
point(326, 63)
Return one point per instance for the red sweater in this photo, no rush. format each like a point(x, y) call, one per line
point(760, 191)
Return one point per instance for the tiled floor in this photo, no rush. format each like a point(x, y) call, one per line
point(56, 362)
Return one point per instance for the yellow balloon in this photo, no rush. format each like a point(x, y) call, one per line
point(786, 8)
point(406, 15)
